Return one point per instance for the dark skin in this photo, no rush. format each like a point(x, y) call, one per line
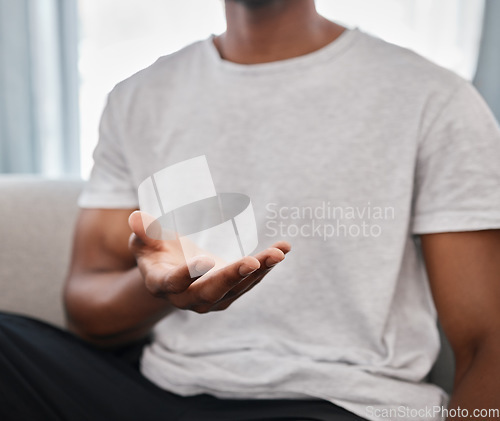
point(121, 282)
point(260, 31)
point(464, 273)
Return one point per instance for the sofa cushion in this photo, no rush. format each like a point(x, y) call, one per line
point(36, 225)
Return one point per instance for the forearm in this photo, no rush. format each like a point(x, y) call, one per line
point(477, 386)
point(111, 308)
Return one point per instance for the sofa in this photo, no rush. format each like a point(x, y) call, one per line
point(37, 217)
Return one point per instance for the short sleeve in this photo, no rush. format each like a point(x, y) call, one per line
point(457, 177)
point(110, 184)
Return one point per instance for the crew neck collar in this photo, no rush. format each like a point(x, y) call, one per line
point(342, 42)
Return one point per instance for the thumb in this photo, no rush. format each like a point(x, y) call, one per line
point(139, 223)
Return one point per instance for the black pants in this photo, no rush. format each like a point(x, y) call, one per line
point(49, 374)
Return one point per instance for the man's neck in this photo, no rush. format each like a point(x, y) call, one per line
point(262, 31)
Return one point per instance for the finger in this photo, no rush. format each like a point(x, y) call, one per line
point(214, 286)
point(139, 222)
point(238, 291)
point(284, 246)
point(270, 257)
point(246, 285)
point(168, 280)
point(200, 265)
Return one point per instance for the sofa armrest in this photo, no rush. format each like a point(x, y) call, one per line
point(36, 228)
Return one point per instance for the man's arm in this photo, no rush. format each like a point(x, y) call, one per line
point(464, 273)
point(121, 282)
point(105, 297)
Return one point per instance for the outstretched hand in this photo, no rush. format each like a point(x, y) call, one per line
point(168, 275)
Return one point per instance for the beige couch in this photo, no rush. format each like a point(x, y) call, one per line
point(36, 224)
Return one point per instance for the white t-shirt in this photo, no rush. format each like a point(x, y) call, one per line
point(346, 152)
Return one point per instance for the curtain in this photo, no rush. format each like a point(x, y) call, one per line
point(38, 87)
point(487, 78)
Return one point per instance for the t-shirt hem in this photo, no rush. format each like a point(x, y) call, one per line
point(107, 201)
point(455, 222)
